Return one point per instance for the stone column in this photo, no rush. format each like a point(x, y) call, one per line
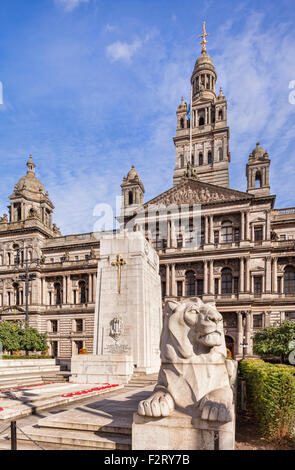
point(173, 235)
point(205, 277)
point(211, 277)
point(242, 281)
point(168, 233)
point(247, 226)
point(206, 230)
point(64, 289)
point(90, 288)
point(172, 289)
point(42, 290)
point(247, 275)
point(211, 230)
point(248, 331)
point(240, 333)
point(94, 287)
point(275, 275)
point(267, 225)
point(167, 279)
point(268, 274)
point(242, 226)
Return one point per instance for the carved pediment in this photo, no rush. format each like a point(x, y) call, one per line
point(191, 192)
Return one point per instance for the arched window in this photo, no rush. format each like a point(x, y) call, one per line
point(57, 293)
point(220, 115)
point(220, 154)
point(181, 161)
point(226, 232)
point(289, 280)
point(193, 160)
point(201, 121)
point(258, 180)
point(190, 284)
point(201, 159)
point(130, 198)
point(83, 294)
point(226, 281)
point(181, 123)
point(210, 158)
point(17, 297)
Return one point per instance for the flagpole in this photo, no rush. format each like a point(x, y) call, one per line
point(191, 126)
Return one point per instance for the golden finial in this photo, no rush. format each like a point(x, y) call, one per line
point(203, 36)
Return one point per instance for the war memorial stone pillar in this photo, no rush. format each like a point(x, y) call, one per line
point(128, 312)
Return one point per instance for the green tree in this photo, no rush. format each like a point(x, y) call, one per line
point(32, 340)
point(9, 336)
point(16, 336)
point(275, 340)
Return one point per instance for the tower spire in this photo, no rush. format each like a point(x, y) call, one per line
point(203, 36)
point(31, 166)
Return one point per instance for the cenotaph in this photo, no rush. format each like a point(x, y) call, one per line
point(128, 312)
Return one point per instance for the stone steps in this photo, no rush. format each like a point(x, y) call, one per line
point(140, 380)
point(76, 439)
point(20, 381)
point(16, 373)
point(119, 427)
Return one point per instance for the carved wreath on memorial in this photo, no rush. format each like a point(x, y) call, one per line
point(116, 328)
point(195, 376)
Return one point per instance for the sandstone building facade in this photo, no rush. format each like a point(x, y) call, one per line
point(243, 258)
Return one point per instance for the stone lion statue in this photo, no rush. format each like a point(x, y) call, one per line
point(195, 376)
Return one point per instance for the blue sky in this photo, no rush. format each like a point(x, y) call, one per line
point(92, 86)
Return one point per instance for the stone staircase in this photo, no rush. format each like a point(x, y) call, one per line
point(105, 424)
point(140, 379)
point(22, 372)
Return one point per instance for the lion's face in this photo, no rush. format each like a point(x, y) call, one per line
point(206, 324)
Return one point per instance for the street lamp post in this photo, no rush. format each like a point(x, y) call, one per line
point(27, 277)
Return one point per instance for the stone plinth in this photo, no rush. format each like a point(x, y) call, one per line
point(180, 432)
point(112, 368)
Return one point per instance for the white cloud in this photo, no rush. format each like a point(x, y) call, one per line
point(70, 5)
point(122, 50)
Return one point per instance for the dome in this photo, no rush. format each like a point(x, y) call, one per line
point(29, 182)
point(132, 174)
point(258, 153)
point(204, 62)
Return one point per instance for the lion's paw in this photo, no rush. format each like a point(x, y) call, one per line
point(160, 404)
point(215, 411)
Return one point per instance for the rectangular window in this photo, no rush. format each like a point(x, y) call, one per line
point(216, 282)
point(200, 287)
point(179, 288)
point(79, 325)
point(54, 326)
point(283, 237)
point(257, 285)
point(257, 321)
point(237, 234)
point(279, 282)
point(290, 316)
point(236, 285)
point(202, 238)
point(216, 237)
point(258, 232)
point(79, 346)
